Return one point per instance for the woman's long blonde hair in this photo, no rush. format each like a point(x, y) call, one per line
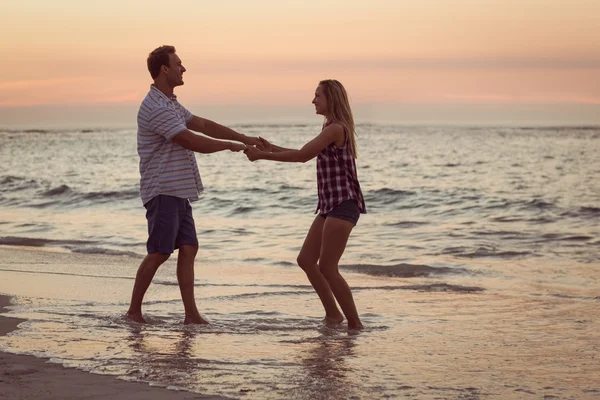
point(339, 110)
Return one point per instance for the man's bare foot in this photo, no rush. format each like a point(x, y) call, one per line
point(135, 317)
point(333, 320)
point(195, 319)
point(356, 326)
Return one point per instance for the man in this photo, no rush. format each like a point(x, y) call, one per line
point(170, 178)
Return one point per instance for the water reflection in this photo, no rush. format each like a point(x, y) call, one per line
point(325, 373)
point(165, 357)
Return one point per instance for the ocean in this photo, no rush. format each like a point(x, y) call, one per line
point(475, 270)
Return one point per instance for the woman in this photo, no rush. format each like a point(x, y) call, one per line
point(340, 199)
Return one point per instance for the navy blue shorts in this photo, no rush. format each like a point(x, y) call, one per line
point(347, 210)
point(170, 224)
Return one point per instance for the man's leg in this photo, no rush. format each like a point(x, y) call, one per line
point(163, 224)
point(143, 278)
point(187, 242)
point(185, 277)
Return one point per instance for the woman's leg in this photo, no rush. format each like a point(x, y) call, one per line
point(308, 261)
point(335, 236)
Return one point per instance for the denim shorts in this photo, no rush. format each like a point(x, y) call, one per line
point(170, 224)
point(347, 210)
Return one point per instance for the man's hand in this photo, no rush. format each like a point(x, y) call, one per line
point(255, 141)
point(237, 147)
point(252, 153)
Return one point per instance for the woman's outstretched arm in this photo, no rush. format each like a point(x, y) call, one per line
point(331, 134)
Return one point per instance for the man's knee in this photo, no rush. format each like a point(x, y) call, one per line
point(158, 258)
point(188, 250)
point(154, 260)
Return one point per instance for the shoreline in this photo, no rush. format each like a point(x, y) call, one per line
point(29, 377)
point(496, 342)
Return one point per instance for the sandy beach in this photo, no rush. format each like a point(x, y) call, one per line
point(28, 377)
point(427, 337)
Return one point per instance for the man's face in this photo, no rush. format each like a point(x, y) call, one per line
point(175, 70)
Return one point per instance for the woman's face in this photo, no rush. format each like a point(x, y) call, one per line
point(320, 101)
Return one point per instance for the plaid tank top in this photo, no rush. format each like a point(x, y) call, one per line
point(337, 179)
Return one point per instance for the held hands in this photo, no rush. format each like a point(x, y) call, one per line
point(255, 147)
point(237, 147)
point(266, 146)
point(252, 153)
point(259, 142)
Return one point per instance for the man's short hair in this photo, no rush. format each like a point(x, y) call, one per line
point(158, 58)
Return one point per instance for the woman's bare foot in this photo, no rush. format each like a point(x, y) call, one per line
point(135, 317)
point(195, 319)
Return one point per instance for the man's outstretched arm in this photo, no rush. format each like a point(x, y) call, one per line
point(200, 144)
point(218, 131)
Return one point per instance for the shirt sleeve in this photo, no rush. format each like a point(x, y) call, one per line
point(188, 115)
point(165, 122)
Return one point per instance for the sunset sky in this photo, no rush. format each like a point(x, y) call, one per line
point(469, 61)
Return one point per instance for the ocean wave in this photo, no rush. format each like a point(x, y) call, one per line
point(10, 183)
point(100, 250)
point(445, 287)
point(389, 192)
point(401, 270)
point(57, 191)
point(484, 252)
point(537, 204)
point(448, 165)
point(39, 242)
point(567, 128)
point(75, 196)
point(554, 237)
point(47, 131)
point(267, 125)
point(387, 196)
point(243, 210)
point(64, 195)
point(75, 246)
point(504, 234)
point(583, 212)
point(289, 187)
point(568, 296)
point(432, 287)
point(13, 186)
point(284, 263)
point(406, 224)
point(25, 271)
point(262, 294)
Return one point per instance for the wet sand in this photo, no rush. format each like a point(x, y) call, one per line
point(425, 338)
point(28, 377)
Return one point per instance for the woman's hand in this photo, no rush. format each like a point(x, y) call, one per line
point(252, 153)
point(265, 145)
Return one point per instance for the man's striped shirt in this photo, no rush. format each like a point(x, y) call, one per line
point(165, 167)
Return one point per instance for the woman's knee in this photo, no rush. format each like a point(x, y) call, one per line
point(306, 263)
point(329, 272)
